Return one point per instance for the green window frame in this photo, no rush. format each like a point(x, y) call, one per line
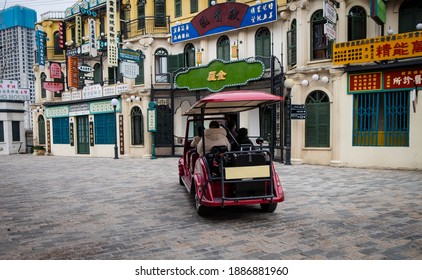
point(137, 122)
point(61, 132)
point(41, 130)
point(291, 44)
point(223, 48)
point(189, 52)
point(381, 119)
point(140, 79)
point(356, 20)
point(320, 45)
point(193, 6)
point(263, 46)
point(97, 74)
point(177, 8)
point(410, 12)
point(164, 134)
point(141, 14)
point(161, 67)
point(104, 128)
point(160, 13)
point(16, 133)
point(1, 131)
point(317, 123)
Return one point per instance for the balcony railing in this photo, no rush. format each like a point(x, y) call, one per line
point(51, 54)
point(148, 25)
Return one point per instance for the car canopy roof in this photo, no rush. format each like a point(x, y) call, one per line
point(232, 102)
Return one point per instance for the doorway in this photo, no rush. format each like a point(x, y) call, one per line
point(82, 134)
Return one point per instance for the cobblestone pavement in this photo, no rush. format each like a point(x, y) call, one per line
point(101, 208)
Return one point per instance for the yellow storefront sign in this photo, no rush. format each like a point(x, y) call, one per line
point(397, 46)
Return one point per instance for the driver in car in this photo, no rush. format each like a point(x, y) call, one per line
point(214, 136)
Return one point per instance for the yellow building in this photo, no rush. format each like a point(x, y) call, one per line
point(333, 120)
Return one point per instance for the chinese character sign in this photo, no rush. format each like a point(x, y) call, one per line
point(111, 33)
point(73, 74)
point(397, 46)
point(40, 42)
point(92, 38)
point(224, 17)
point(9, 90)
point(78, 30)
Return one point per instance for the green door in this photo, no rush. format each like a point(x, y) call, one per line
point(83, 134)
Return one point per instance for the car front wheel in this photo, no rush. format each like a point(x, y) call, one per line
point(200, 209)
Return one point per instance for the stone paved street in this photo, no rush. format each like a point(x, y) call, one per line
point(101, 208)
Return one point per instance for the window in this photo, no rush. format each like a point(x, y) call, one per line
point(189, 55)
point(98, 79)
point(193, 6)
point(137, 126)
point(105, 128)
point(291, 45)
point(139, 80)
point(1, 131)
point(16, 133)
point(177, 8)
point(223, 48)
point(61, 131)
point(317, 124)
point(410, 12)
point(141, 14)
point(381, 119)
point(320, 43)
point(43, 90)
point(263, 46)
point(161, 66)
point(160, 13)
point(41, 130)
point(356, 20)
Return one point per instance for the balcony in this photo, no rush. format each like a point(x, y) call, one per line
point(51, 55)
point(148, 25)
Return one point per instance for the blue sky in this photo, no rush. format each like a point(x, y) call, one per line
point(40, 6)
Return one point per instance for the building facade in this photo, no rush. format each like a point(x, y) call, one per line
point(135, 51)
point(17, 92)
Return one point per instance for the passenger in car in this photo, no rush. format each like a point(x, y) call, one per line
point(197, 138)
point(214, 136)
point(242, 139)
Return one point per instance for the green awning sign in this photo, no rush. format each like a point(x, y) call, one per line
point(219, 74)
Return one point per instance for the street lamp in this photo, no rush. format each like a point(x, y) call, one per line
point(288, 84)
point(114, 103)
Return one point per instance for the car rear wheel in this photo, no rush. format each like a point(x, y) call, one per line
point(269, 207)
point(181, 181)
point(200, 209)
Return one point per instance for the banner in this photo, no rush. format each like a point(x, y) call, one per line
point(92, 38)
point(111, 34)
point(73, 74)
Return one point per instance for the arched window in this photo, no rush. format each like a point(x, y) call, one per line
point(223, 48)
point(320, 44)
point(43, 77)
point(141, 14)
point(137, 126)
point(189, 52)
point(41, 130)
point(317, 124)
point(410, 14)
point(356, 20)
point(291, 45)
point(263, 46)
point(57, 49)
point(161, 75)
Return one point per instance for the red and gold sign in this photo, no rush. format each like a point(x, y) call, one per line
point(397, 46)
point(73, 74)
point(53, 86)
point(407, 78)
point(365, 82)
point(55, 70)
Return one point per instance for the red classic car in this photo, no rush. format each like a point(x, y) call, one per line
point(219, 177)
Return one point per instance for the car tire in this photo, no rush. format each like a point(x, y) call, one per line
point(181, 181)
point(200, 209)
point(269, 207)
